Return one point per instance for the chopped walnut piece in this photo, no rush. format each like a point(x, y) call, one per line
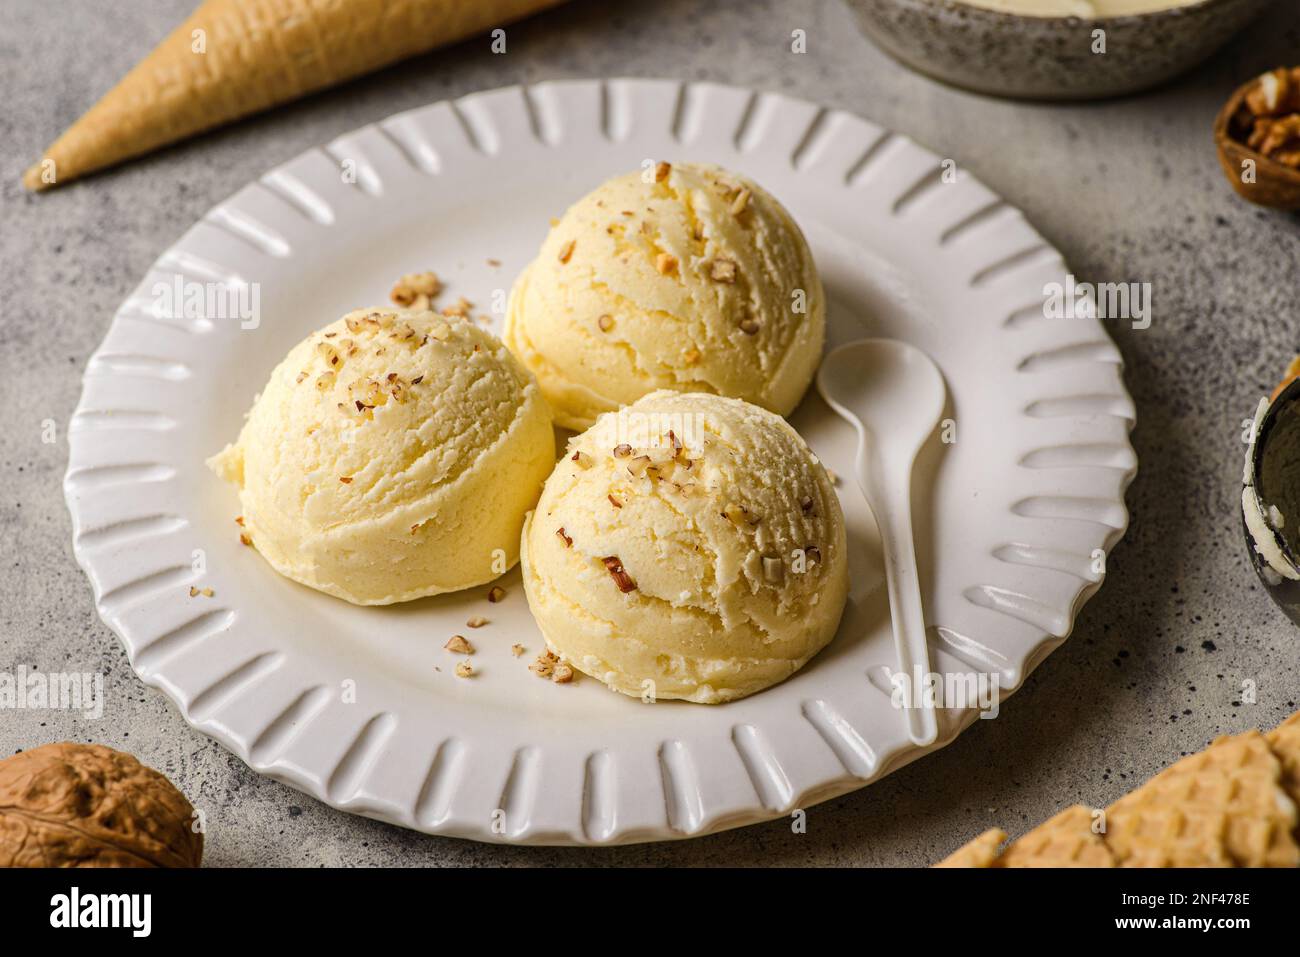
point(461, 308)
point(662, 170)
point(638, 464)
point(545, 664)
point(517, 650)
point(1276, 137)
point(616, 571)
point(1268, 119)
point(458, 645)
point(496, 593)
point(345, 479)
point(734, 512)
point(239, 520)
point(666, 263)
point(244, 539)
point(723, 270)
point(566, 251)
point(416, 289)
point(477, 621)
point(605, 322)
point(548, 665)
point(622, 451)
point(1277, 91)
point(584, 460)
point(812, 553)
point(560, 534)
point(464, 670)
point(207, 593)
point(193, 592)
point(749, 326)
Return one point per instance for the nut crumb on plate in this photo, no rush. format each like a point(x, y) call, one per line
point(458, 645)
point(416, 290)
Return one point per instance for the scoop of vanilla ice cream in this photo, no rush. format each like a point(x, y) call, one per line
point(392, 455)
point(687, 546)
point(683, 277)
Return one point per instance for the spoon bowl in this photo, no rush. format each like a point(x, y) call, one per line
point(886, 386)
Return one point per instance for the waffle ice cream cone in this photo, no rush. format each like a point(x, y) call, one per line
point(981, 852)
point(1222, 807)
point(236, 57)
point(1067, 840)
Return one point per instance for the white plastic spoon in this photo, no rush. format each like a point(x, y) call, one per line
point(893, 395)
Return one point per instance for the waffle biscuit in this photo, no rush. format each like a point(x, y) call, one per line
point(1284, 740)
point(1067, 840)
point(981, 852)
point(1222, 807)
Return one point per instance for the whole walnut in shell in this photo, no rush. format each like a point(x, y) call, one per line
point(85, 805)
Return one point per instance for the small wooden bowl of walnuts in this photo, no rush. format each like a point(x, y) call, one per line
point(1258, 136)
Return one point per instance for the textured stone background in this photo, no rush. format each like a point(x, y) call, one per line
point(1128, 189)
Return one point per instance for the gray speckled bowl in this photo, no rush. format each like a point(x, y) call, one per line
point(1049, 58)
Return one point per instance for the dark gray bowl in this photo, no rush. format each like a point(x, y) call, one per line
point(1049, 58)
point(1273, 474)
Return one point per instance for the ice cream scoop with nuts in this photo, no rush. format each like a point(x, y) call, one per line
point(685, 277)
point(687, 546)
point(392, 455)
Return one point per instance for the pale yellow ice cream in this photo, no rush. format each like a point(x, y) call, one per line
point(687, 546)
point(683, 277)
point(392, 455)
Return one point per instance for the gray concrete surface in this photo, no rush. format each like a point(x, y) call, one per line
point(1128, 189)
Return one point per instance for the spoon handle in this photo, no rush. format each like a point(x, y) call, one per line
point(887, 492)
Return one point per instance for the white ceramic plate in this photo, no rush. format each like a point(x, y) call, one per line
point(359, 706)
